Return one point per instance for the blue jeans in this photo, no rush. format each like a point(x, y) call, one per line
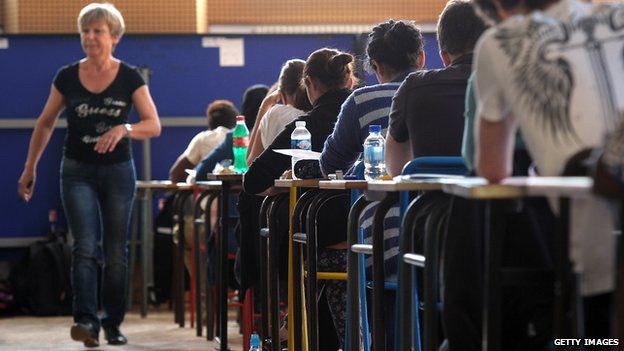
point(98, 200)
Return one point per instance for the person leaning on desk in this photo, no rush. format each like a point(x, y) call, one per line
point(559, 111)
point(97, 171)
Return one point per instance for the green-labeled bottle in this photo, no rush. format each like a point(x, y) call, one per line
point(241, 142)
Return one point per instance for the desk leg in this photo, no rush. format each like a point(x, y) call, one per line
point(223, 265)
point(493, 240)
point(179, 210)
point(146, 254)
point(210, 301)
point(567, 314)
point(291, 321)
point(406, 272)
point(619, 292)
point(197, 214)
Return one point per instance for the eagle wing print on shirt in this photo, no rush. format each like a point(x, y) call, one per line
point(540, 55)
point(545, 84)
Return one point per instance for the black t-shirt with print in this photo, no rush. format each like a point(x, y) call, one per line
point(90, 115)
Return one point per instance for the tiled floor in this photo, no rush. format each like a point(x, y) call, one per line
point(156, 332)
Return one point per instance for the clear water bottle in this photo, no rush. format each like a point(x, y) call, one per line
point(254, 343)
point(300, 139)
point(374, 162)
point(240, 139)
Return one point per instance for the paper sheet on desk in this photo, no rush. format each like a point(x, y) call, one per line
point(303, 154)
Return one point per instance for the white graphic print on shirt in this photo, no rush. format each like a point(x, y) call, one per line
point(560, 75)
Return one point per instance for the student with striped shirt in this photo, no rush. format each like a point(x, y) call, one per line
point(395, 49)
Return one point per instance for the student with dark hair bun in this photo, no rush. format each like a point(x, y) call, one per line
point(394, 50)
point(328, 79)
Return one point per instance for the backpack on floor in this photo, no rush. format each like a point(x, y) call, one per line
point(42, 278)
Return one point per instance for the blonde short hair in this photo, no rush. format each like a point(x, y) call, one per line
point(102, 12)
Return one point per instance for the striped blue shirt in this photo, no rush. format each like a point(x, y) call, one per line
point(365, 106)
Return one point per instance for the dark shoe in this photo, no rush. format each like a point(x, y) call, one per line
point(86, 333)
point(113, 336)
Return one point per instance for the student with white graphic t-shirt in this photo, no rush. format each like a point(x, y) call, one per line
point(554, 70)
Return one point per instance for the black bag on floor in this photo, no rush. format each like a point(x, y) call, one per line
point(42, 278)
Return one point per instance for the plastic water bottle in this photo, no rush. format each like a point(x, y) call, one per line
point(300, 139)
point(240, 143)
point(254, 343)
point(374, 163)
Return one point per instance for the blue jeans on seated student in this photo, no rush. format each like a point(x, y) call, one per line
point(98, 200)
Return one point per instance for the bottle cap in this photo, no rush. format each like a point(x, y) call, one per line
point(240, 118)
point(300, 124)
point(255, 340)
point(374, 128)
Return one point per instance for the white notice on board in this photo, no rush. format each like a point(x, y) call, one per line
point(231, 50)
point(4, 43)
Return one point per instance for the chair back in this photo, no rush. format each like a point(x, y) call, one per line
point(442, 165)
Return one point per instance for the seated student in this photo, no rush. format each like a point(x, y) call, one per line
point(252, 98)
point(328, 78)
point(286, 103)
point(394, 50)
point(545, 67)
point(221, 116)
point(426, 118)
point(427, 110)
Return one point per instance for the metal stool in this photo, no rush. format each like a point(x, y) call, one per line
point(408, 321)
point(269, 256)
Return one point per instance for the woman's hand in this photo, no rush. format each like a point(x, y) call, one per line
point(26, 184)
point(109, 140)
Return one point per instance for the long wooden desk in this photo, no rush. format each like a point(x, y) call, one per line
point(343, 184)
